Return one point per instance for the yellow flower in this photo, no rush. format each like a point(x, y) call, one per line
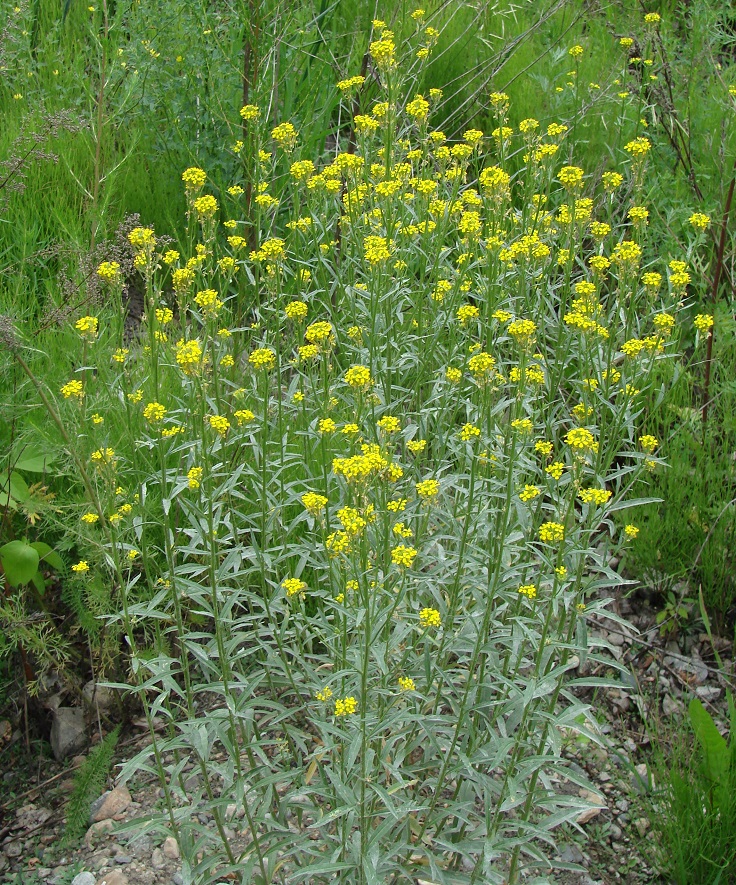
point(416, 445)
point(648, 442)
point(406, 684)
point(109, 271)
point(250, 112)
point(193, 178)
point(575, 51)
point(102, 456)
point(555, 470)
point(243, 416)
point(90, 518)
point(189, 355)
point(295, 310)
point(551, 532)
point(327, 425)
point(206, 206)
point(528, 493)
point(403, 556)
point(346, 706)
point(428, 488)
point(631, 531)
point(528, 590)
point(262, 358)
point(324, 695)
point(285, 136)
point(468, 432)
point(194, 477)
point(154, 412)
point(702, 322)
point(594, 496)
point(314, 503)
point(389, 424)
point(581, 439)
point(429, 617)
point(81, 567)
point(72, 389)
point(87, 327)
point(358, 377)
point(294, 586)
point(571, 177)
point(219, 424)
point(699, 220)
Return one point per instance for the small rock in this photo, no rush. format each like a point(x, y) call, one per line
point(622, 804)
point(96, 830)
point(13, 849)
point(177, 879)
point(113, 878)
point(708, 692)
point(642, 779)
point(83, 879)
point(671, 706)
point(642, 826)
point(171, 848)
point(616, 832)
point(68, 734)
point(123, 859)
point(571, 854)
point(157, 859)
point(110, 804)
point(98, 696)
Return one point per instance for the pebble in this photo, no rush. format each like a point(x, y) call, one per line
point(171, 848)
point(122, 859)
point(13, 849)
point(113, 878)
point(571, 854)
point(110, 804)
point(81, 879)
point(178, 879)
point(642, 826)
point(157, 859)
point(97, 830)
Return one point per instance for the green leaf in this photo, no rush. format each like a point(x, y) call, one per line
point(15, 491)
point(48, 555)
point(715, 749)
point(20, 562)
point(34, 462)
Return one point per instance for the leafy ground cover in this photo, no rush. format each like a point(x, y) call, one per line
point(334, 452)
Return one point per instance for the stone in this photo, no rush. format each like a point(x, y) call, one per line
point(98, 696)
point(178, 879)
point(110, 804)
point(571, 854)
point(671, 706)
point(589, 813)
point(708, 692)
point(84, 879)
point(113, 878)
point(68, 733)
point(642, 826)
point(13, 849)
point(171, 848)
point(97, 830)
point(157, 859)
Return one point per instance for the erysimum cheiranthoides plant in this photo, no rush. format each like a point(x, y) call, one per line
point(369, 454)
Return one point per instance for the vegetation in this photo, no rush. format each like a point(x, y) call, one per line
point(342, 355)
